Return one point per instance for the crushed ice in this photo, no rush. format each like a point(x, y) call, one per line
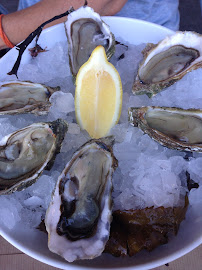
point(148, 173)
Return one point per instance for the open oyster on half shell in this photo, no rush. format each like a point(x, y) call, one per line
point(85, 31)
point(172, 127)
point(79, 215)
point(167, 62)
point(25, 153)
point(23, 97)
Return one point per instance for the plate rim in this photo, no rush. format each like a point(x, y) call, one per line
point(65, 264)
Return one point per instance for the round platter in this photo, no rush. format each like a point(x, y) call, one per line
point(34, 243)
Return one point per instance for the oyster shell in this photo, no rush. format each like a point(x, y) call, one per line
point(25, 153)
point(85, 31)
point(23, 97)
point(79, 215)
point(137, 229)
point(172, 127)
point(167, 62)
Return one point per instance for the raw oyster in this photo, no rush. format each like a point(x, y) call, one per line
point(79, 215)
point(167, 62)
point(85, 31)
point(172, 127)
point(25, 153)
point(137, 229)
point(23, 97)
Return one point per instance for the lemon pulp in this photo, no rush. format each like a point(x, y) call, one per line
point(98, 97)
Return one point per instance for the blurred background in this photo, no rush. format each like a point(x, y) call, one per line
point(190, 13)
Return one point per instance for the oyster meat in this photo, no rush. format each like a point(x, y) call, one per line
point(85, 31)
point(23, 97)
point(172, 127)
point(25, 153)
point(168, 61)
point(79, 215)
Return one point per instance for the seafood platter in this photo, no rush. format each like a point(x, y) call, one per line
point(131, 199)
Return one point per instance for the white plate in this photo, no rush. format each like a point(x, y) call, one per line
point(34, 243)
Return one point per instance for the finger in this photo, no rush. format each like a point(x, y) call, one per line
point(113, 7)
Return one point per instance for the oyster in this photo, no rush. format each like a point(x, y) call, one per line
point(137, 229)
point(85, 31)
point(25, 153)
point(172, 127)
point(168, 61)
point(22, 97)
point(79, 215)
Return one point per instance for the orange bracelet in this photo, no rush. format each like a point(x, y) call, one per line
point(3, 35)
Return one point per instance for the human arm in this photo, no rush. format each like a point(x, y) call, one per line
point(20, 24)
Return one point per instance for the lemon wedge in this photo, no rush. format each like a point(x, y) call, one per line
point(98, 95)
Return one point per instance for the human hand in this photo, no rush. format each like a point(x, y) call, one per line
point(107, 7)
point(19, 25)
